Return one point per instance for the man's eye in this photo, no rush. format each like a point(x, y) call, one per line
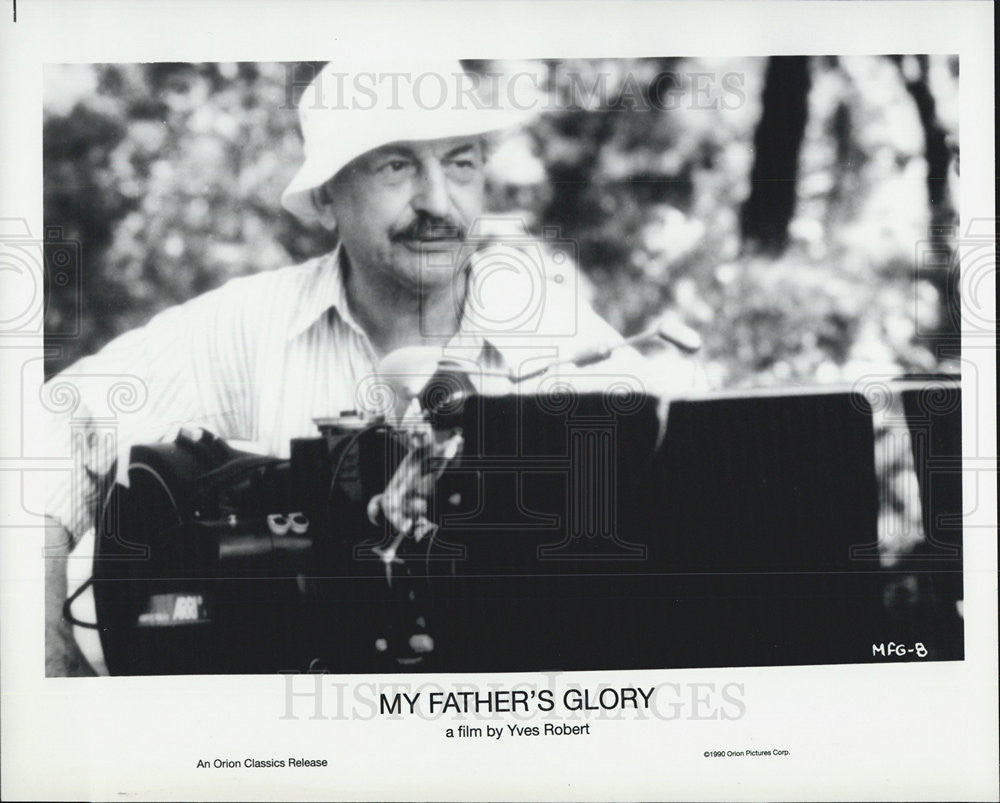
point(461, 168)
point(395, 166)
point(394, 171)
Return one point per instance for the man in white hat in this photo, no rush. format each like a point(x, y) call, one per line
point(394, 163)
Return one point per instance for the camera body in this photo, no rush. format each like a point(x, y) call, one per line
point(217, 560)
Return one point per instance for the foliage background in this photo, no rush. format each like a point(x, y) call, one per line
point(168, 175)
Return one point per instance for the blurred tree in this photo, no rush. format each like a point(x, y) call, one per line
point(777, 141)
point(168, 176)
point(943, 273)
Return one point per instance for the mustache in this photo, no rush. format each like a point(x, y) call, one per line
point(428, 227)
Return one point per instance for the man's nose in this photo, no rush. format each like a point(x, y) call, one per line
point(431, 194)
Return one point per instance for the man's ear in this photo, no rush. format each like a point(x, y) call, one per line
point(326, 218)
point(324, 209)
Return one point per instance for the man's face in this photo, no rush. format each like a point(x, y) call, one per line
point(405, 208)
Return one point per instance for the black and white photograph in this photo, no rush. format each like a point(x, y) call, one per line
point(498, 401)
point(507, 366)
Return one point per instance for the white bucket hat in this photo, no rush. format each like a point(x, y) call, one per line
point(349, 110)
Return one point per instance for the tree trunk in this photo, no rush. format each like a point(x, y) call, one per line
point(942, 270)
point(769, 208)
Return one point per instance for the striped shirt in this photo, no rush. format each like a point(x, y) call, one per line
point(261, 357)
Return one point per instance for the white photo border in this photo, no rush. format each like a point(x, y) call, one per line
point(900, 731)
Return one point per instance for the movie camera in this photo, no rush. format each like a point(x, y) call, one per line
point(534, 532)
point(213, 559)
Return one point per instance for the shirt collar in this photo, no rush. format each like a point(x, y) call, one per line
point(324, 291)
